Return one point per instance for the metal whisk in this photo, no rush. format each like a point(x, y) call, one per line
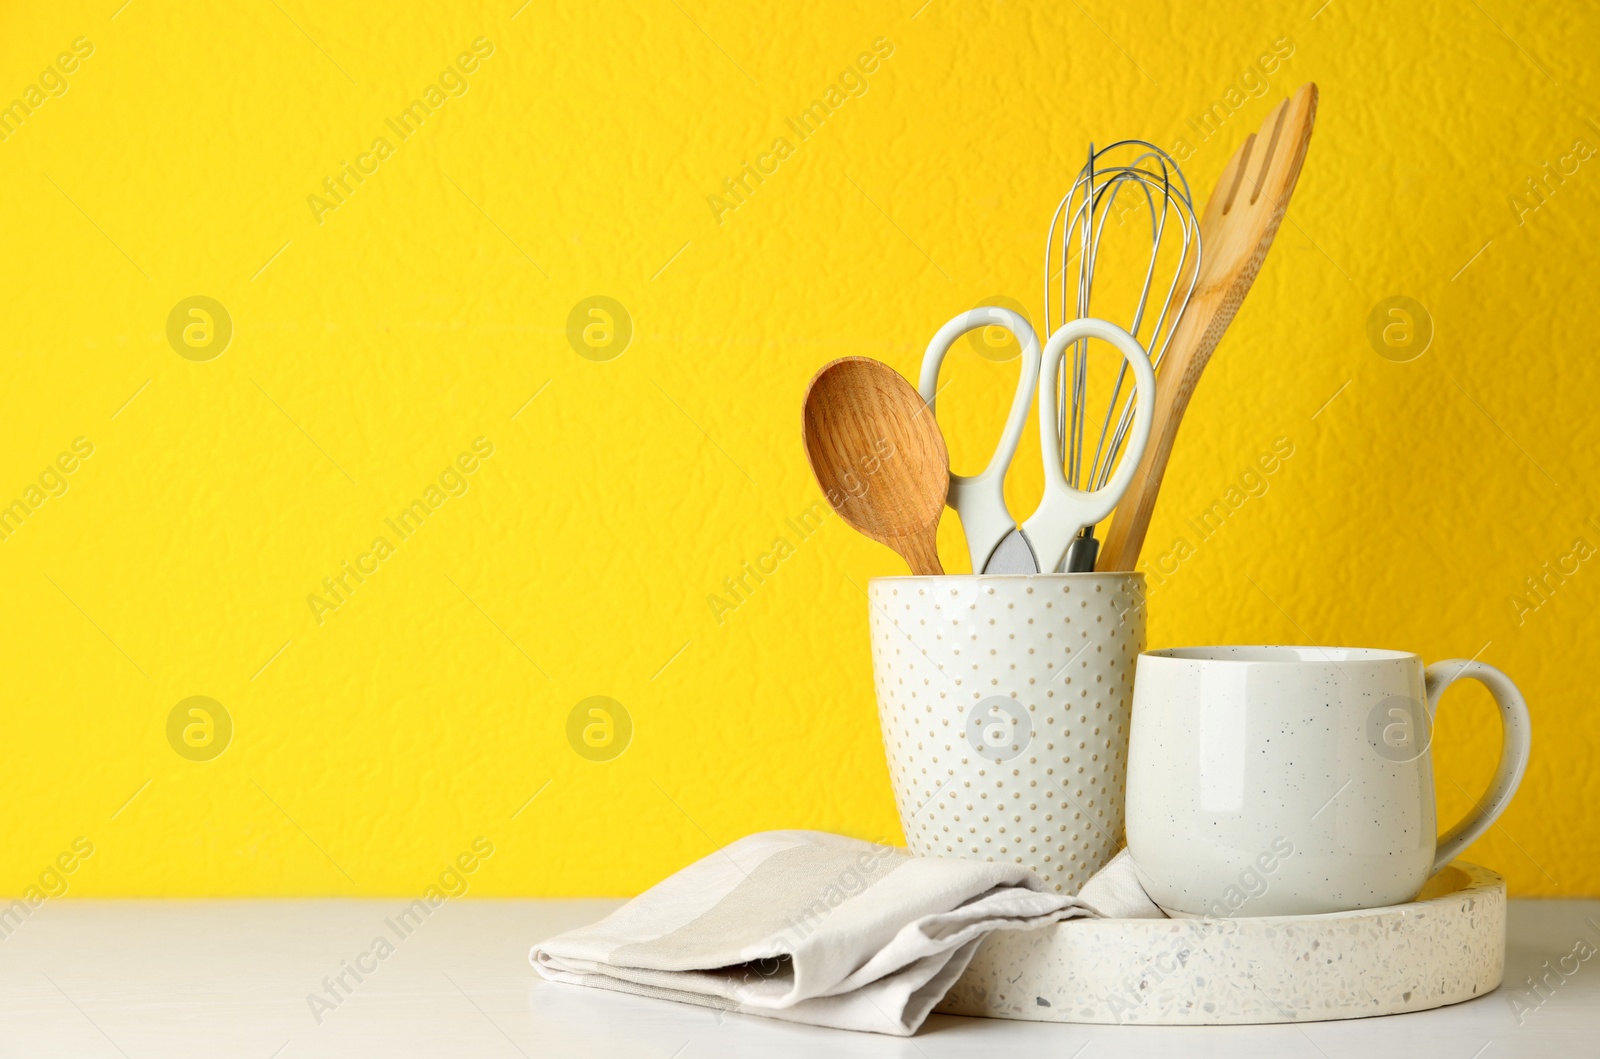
point(1155, 178)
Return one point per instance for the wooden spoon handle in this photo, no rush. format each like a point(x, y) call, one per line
point(920, 552)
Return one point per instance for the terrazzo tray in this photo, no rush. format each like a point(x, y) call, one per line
point(1447, 946)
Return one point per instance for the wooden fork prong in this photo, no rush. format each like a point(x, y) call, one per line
point(1275, 120)
point(1293, 136)
point(1233, 175)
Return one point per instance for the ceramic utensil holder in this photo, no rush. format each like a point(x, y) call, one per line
point(1006, 703)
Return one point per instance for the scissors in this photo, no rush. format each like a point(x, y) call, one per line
point(996, 543)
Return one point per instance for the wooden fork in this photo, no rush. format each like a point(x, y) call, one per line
point(1236, 232)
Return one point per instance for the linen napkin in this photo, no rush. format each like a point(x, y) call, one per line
point(821, 929)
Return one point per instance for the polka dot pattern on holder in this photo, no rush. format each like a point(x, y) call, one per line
point(1005, 704)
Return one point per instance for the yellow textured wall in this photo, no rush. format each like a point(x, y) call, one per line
point(379, 334)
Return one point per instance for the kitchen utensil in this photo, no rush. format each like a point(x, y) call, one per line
point(1005, 704)
point(995, 542)
point(1155, 178)
point(1240, 222)
point(1297, 780)
point(1447, 946)
point(878, 455)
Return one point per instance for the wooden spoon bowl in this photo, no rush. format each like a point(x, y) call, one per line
point(879, 456)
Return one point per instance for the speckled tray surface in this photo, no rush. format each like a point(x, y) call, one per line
point(1445, 947)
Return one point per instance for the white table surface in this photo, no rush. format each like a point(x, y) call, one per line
point(230, 978)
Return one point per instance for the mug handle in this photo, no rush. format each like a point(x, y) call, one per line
point(1516, 738)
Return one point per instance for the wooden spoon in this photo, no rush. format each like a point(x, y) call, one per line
point(1236, 232)
point(879, 456)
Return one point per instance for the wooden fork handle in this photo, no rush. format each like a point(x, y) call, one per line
point(1131, 522)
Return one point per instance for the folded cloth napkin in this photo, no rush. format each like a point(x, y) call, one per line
point(817, 928)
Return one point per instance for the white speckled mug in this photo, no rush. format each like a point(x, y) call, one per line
point(1005, 704)
point(1297, 780)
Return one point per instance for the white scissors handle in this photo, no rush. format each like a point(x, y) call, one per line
point(979, 500)
point(1063, 510)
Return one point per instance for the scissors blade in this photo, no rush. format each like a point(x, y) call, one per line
point(1012, 555)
